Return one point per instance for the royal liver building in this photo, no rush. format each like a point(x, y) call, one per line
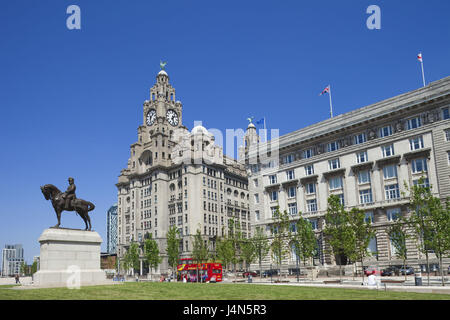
point(177, 177)
point(364, 157)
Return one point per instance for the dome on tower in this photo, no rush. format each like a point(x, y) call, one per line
point(163, 73)
point(200, 129)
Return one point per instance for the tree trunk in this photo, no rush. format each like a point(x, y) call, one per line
point(428, 266)
point(362, 271)
point(442, 271)
point(404, 267)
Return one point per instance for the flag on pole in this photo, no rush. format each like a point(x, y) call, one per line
point(419, 57)
point(327, 89)
point(260, 121)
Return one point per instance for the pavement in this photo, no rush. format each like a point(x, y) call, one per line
point(357, 283)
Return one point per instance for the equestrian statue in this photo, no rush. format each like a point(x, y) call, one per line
point(68, 201)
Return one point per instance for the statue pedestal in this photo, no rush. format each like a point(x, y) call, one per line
point(69, 258)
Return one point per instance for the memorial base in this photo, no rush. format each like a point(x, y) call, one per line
point(69, 258)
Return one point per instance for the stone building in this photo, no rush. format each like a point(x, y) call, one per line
point(364, 157)
point(177, 177)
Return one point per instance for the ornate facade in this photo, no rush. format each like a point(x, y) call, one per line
point(177, 177)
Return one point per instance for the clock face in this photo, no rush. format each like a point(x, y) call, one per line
point(172, 117)
point(151, 117)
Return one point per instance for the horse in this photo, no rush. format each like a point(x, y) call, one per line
point(82, 207)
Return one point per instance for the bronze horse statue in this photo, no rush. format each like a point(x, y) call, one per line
point(82, 207)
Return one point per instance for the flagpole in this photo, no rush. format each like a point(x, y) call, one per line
point(423, 74)
point(331, 104)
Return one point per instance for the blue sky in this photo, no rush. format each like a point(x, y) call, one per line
point(71, 100)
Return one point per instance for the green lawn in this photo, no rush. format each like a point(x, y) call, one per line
point(194, 291)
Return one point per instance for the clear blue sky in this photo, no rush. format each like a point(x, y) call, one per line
point(71, 100)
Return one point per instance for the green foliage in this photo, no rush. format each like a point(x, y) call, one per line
point(131, 257)
point(261, 244)
point(398, 234)
point(281, 235)
point(200, 251)
point(151, 253)
point(362, 234)
point(34, 267)
point(224, 250)
point(338, 231)
point(304, 240)
point(173, 246)
point(248, 252)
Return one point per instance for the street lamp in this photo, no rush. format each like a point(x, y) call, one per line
point(271, 273)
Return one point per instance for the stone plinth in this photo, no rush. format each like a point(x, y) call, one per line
point(69, 257)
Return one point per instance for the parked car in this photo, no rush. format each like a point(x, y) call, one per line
point(407, 271)
point(269, 273)
point(390, 271)
point(251, 273)
point(372, 270)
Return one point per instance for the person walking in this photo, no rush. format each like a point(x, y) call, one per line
point(17, 278)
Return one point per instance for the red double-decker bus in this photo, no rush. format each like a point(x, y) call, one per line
point(186, 269)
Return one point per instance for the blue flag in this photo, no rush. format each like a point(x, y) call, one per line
point(260, 121)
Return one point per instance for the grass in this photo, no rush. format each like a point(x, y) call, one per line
point(194, 291)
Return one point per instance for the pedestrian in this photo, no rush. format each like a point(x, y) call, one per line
point(17, 278)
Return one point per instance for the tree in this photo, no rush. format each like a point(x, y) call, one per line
point(304, 240)
point(131, 257)
point(224, 250)
point(23, 268)
point(151, 254)
point(173, 247)
point(430, 221)
point(362, 234)
point(281, 234)
point(338, 232)
point(200, 251)
point(261, 245)
point(34, 267)
point(248, 252)
point(235, 236)
point(398, 233)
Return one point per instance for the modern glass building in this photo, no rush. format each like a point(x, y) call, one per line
point(111, 245)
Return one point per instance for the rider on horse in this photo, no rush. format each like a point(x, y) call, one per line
point(70, 193)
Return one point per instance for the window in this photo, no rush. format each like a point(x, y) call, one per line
point(314, 224)
point(390, 171)
point(274, 211)
point(274, 196)
point(289, 158)
point(290, 175)
point(447, 134)
point(341, 199)
point(255, 182)
point(335, 183)
point(311, 205)
point(413, 123)
point(310, 188)
point(365, 196)
point(364, 176)
point(309, 170)
point(419, 165)
point(445, 113)
point(372, 247)
point(307, 153)
point(385, 131)
point(273, 179)
point(257, 215)
point(361, 157)
point(387, 150)
point(256, 198)
point(448, 157)
point(393, 214)
point(416, 143)
point(292, 208)
point(332, 146)
point(334, 164)
point(360, 138)
point(425, 184)
point(292, 192)
point(369, 217)
point(392, 192)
